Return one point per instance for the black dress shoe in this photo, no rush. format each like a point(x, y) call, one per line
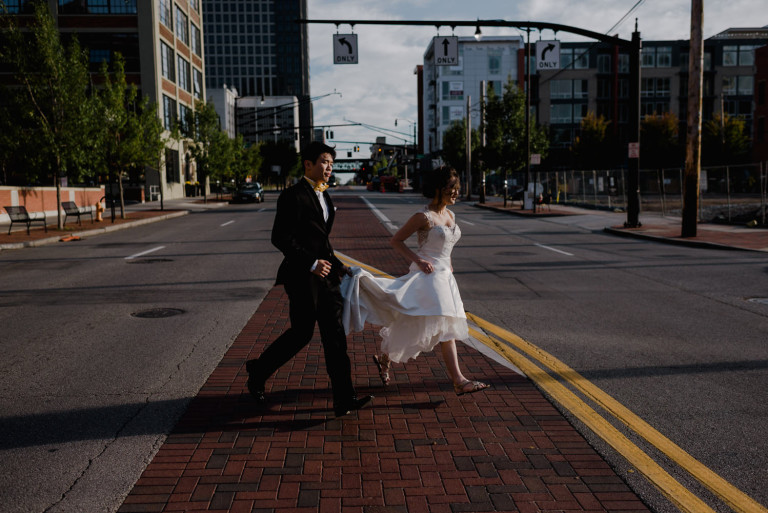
point(255, 384)
point(354, 404)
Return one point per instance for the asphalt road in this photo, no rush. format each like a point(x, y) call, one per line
point(88, 390)
point(671, 332)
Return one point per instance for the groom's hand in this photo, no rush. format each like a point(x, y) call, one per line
point(323, 268)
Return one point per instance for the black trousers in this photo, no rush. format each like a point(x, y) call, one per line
point(316, 300)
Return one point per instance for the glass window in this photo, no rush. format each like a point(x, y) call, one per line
point(560, 113)
point(746, 85)
point(165, 13)
point(647, 87)
point(648, 59)
point(169, 112)
point(195, 4)
point(560, 89)
point(494, 64)
point(623, 63)
point(747, 55)
point(185, 114)
point(182, 30)
point(166, 61)
point(566, 57)
point(580, 89)
point(579, 111)
point(98, 56)
point(184, 78)
point(623, 88)
point(664, 57)
point(581, 58)
point(197, 83)
point(453, 90)
point(662, 87)
point(604, 63)
point(194, 37)
point(729, 85)
point(730, 55)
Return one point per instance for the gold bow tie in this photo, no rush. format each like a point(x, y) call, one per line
point(320, 187)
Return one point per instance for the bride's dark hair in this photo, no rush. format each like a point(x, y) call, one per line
point(438, 179)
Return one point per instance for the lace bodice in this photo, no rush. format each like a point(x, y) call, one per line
point(436, 241)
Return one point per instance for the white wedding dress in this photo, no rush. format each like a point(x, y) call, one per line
point(416, 310)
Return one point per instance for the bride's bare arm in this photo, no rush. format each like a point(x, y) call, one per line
point(416, 222)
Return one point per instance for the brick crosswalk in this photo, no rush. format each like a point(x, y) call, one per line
point(420, 448)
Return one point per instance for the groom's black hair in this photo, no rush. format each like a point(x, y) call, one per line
point(314, 150)
point(438, 179)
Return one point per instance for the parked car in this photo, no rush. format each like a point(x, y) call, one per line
point(249, 193)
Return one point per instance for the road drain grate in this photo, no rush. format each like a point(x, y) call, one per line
point(158, 313)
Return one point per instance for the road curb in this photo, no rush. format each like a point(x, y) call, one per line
point(96, 231)
point(671, 240)
point(521, 213)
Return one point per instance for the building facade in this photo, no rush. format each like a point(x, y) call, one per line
point(272, 118)
point(256, 47)
point(161, 41)
point(594, 77)
point(492, 60)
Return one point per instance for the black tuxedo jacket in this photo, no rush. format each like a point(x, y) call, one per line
point(301, 233)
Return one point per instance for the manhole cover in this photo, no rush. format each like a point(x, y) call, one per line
point(761, 300)
point(149, 260)
point(158, 313)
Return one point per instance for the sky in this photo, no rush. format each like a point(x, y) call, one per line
point(382, 86)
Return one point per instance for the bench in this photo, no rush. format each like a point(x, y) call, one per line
point(71, 209)
point(20, 215)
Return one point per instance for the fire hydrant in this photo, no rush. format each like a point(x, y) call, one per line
point(99, 211)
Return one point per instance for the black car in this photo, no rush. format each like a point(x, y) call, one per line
point(249, 193)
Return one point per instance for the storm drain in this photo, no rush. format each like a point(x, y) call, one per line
point(761, 300)
point(157, 313)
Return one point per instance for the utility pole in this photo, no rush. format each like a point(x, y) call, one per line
point(469, 149)
point(693, 138)
point(481, 164)
point(633, 167)
point(528, 120)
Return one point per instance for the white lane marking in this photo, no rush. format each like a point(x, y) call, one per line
point(144, 252)
point(467, 222)
point(553, 249)
point(384, 220)
point(228, 222)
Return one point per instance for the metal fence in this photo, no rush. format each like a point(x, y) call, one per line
point(732, 194)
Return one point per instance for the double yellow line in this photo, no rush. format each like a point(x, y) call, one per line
point(500, 341)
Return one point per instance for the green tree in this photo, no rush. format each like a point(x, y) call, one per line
point(246, 160)
point(660, 143)
point(210, 147)
point(593, 148)
point(505, 147)
point(55, 81)
point(130, 133)
point(724, 141)
point(454, 151)
point(283, 155)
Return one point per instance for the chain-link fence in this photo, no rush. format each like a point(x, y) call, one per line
point(730, 194)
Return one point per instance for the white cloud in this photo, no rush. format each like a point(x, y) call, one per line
point(382, 86)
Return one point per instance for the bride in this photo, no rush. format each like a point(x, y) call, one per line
point(424, 307)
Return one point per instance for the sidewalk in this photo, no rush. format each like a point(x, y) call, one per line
point(419, 448)
point(653, 227)
point(136, 215)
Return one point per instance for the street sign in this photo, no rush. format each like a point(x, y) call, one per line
point(547, 55)
point(634, 150)
point(345, 48)
point(446, 50)
point(536, 158)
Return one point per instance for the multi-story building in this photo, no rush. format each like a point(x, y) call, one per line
point(161, 41)
point(759, 137)
point(595, 77)
point(492, 60)
point(271, 118)
point(257, 47)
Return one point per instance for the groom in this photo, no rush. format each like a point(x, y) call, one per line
point(310, 274)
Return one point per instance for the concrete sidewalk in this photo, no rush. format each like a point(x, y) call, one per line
point(419, 448)
point(654, 226)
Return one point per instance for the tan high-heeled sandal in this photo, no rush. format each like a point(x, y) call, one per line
point(382, 363)
point(476, 386)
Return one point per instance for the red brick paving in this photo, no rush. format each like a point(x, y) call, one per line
point(420, 448)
